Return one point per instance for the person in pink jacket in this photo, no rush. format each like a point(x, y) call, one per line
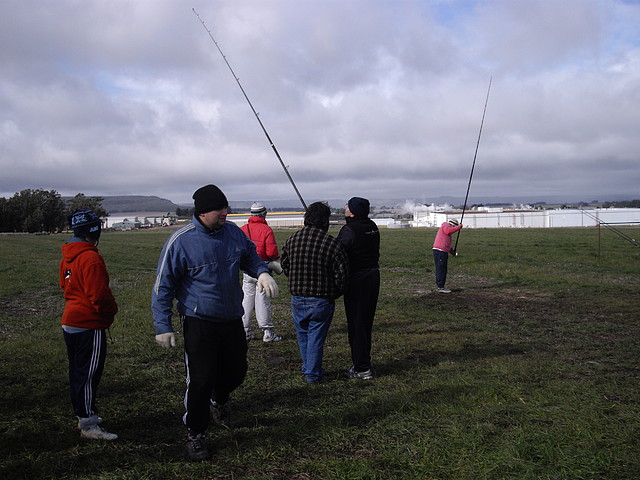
point(441, 250)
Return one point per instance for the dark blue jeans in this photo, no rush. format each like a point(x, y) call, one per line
point(312, 317)
point(441, 258)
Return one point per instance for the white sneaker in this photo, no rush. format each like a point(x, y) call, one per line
point(269, 336)
point(95, 432)
point(352, 374)
point(92, 420)
point(443, 290)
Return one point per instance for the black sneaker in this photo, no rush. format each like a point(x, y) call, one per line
point(220, 414)
point(197, 447)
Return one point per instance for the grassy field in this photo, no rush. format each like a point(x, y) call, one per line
point(528, 370)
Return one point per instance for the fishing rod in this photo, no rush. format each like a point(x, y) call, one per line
point(613, 229)
point(473, 166)
point(275, 150)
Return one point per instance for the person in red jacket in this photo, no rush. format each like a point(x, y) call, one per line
point(261, 234)
point(441, 250)
point(89, 310)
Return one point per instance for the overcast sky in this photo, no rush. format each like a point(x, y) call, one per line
point(371, 98)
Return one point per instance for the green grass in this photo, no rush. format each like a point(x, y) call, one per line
point(528, 370)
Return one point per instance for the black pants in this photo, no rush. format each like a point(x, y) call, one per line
point(216, 361)
point(360, 301)
point(441, 260)
point(87, 352)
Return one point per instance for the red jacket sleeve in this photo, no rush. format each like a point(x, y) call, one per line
point(271, 246)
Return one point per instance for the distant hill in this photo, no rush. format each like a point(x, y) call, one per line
point(142, 203)
point(137, 203)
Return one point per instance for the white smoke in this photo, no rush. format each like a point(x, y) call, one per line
point(411, 207)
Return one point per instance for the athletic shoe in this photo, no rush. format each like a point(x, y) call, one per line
point(443, 290)
point(269, 336)
point(197, 447)
point(352, 374)
point(81, 420)
point(249, 335)
point(220, 414)
point(95, 432)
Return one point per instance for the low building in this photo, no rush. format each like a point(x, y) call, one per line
point(137, 221)
point(526, 217)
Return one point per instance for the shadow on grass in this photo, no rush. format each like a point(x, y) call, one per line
point(468, 353)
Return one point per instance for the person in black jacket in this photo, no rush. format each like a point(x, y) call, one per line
point(361, 240)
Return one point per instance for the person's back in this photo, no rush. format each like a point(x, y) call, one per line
point(260, 233)
point(318, 269)
point(315, 264)
point(262, 236)
point(361, 240)
point(443, 239)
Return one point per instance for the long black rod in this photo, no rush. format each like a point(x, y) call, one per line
point(473, 165)
point(275, 150)
point(613, 229)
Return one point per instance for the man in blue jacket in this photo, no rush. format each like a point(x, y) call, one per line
point(199, 268)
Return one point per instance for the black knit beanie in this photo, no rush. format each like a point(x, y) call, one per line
point(359, 206)
point(209, 198)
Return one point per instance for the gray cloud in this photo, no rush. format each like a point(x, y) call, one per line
point(374, 98)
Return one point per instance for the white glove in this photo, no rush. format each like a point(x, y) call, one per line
point(275, 267)
point(166, 340)
point(268, 285)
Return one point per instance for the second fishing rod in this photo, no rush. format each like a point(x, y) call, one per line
point(473, 166)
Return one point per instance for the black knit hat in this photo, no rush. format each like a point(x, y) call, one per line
point(209, 198)
point(85, 223)
point(359, 206)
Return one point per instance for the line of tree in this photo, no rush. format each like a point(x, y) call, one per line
point(187, 212)
point(42, 211)
point(623, 204)
point(184, 212)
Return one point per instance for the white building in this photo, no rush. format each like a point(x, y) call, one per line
point(526, 218)
point(139, 220)
point(275, 219)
